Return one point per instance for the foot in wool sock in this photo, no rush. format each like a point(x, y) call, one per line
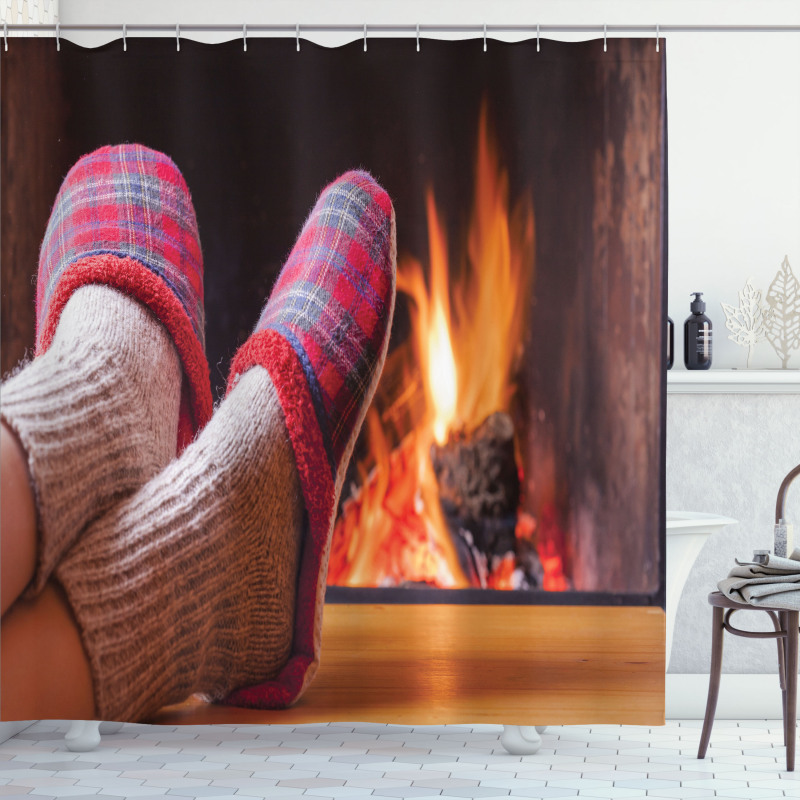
point(119, 342)
point(201, 581)
point(97, 414)
point(189, 585)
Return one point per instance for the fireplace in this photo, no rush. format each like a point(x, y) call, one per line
point(436, 501)
point(514, 450)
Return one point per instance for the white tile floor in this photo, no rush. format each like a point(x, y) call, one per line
point(343, 760)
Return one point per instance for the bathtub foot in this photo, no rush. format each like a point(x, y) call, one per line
point(83, 735)
point(521, 740)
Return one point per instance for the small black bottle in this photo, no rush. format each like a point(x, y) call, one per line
point(697, 336)
point(670, 342)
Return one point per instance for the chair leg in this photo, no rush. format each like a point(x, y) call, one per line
point(790, 717)
point(781, 642)
point(717, 632)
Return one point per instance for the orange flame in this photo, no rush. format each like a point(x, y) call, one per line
point(466, 340)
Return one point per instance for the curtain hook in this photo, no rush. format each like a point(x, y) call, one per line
point(537, 37)
point(178, 37)
point(5, 35)
point(244, 36)
point(418, 37)
point(58, 36)
point(297, 35)
point(124, 37)
point(484, 37)
point(658, 39)
point(365, 37)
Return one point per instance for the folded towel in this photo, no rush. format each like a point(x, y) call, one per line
point(775, 584)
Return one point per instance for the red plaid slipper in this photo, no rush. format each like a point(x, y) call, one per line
point(323, 338)
point(124, 218)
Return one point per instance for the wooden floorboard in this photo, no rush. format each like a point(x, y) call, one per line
point(434, 664)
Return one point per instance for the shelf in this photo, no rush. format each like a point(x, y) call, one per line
point(733, 381)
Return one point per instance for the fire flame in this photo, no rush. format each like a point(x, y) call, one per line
point(442, 376)
point(466, 340)
point(487, 319)
point(442, 383)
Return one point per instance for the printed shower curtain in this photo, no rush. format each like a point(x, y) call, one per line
point(502, 510)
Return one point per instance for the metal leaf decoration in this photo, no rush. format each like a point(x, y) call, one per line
point(748, 322)
point(783, 325)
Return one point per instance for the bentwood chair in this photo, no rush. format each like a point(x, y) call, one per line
point(785, 624)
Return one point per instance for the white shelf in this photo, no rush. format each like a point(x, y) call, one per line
point(733, 381)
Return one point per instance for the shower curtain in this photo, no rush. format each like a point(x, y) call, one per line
point(529, 186)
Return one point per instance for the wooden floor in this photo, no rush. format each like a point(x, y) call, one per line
point(434, 664)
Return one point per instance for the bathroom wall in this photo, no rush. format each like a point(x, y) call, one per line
point(734, 213)
point(727, 454)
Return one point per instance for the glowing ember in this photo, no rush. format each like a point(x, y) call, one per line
point(443, 384)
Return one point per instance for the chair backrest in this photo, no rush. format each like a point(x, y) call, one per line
point(779, 506)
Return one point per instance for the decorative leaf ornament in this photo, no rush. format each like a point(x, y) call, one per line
point(783, 325)
point(748, 322)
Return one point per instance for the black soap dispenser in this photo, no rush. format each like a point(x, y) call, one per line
point(697, 336)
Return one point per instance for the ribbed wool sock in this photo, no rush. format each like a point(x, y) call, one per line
point(209, 579)
point(97, 414)
point(189, 585)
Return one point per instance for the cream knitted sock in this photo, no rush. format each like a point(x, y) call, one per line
point(97, 414)
point(188, 586)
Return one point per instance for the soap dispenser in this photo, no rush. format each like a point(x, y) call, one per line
point(697, 336)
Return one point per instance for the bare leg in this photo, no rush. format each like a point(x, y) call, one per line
point(45, 672)
point(17, 521)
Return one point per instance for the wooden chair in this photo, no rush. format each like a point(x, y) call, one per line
point(786, 633)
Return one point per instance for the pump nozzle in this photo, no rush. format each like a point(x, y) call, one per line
point(698, 306)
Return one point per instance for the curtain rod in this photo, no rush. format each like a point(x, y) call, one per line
point(295, 29)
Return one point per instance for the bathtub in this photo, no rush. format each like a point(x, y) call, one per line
point(687, 532)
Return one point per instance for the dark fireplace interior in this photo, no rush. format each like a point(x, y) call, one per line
point(530, 195)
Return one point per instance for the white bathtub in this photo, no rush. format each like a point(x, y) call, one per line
point(687, 532)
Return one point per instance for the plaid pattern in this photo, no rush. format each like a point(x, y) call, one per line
point(126, 201)
point(332, 301)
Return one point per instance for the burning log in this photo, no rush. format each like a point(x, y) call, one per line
point(479, 491)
